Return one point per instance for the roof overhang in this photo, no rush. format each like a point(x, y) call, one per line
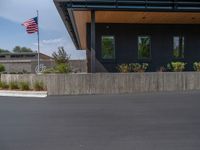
point(76, 14)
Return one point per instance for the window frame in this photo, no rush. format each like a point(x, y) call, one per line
point(182, 51)
point(114, 46)
point(143, 58)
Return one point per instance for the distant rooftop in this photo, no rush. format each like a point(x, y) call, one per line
point(23, 55)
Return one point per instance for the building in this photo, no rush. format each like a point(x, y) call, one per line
point(24, 62)
point(129, 31)
point(78, 65)
point(28, 62)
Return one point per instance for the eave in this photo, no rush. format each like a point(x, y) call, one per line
point(66, 10)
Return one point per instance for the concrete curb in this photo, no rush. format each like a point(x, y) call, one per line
point(12, 93)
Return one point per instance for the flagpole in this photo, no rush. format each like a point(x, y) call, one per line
point(38, 35)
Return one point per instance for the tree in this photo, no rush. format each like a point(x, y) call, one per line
point(4, 51)
point(18, 49)
point(61, 57)
point(2, 68)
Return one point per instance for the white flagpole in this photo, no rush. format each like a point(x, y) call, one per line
point(38, 34)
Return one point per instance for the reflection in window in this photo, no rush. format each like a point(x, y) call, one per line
point(144, 47)
point(178, 46)
point(108, 47)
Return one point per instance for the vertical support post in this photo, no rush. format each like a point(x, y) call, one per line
point(38, 35)
point(93, 57)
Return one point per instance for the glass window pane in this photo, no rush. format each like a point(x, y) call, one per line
point(178, 46)
point(108, 47)
point(144, 47)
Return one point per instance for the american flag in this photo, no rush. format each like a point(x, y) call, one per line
point(31, 25)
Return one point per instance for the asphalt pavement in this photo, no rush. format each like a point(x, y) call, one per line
point(155, 121)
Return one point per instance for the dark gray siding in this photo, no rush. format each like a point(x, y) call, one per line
point(161, 43)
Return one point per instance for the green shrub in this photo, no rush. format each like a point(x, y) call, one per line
point(123, 68)
point(63, 68)
point(0, 85)
point(176, 66)
point(13, 73)
point(136, 67)
point(38, 86)
point(3, 85)
point(2, 68)
point(196, 66)
point(24, 71)
point(50, 70)
point(59, 68)
point(24, 86)
point(13, 85)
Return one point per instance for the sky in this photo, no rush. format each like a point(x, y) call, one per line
point(52, 30)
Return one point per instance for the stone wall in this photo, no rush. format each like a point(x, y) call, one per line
point(112, 83)
point(79, 65)
point(29, 66)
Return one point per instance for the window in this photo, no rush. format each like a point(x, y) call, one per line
point(144, 47)
point(16, 56)
point(108, 47)
point(30, 55)
point(178, 46)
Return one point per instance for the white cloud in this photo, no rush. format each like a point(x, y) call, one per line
point(48, 46)
point(57, 41)
point(53, 41)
